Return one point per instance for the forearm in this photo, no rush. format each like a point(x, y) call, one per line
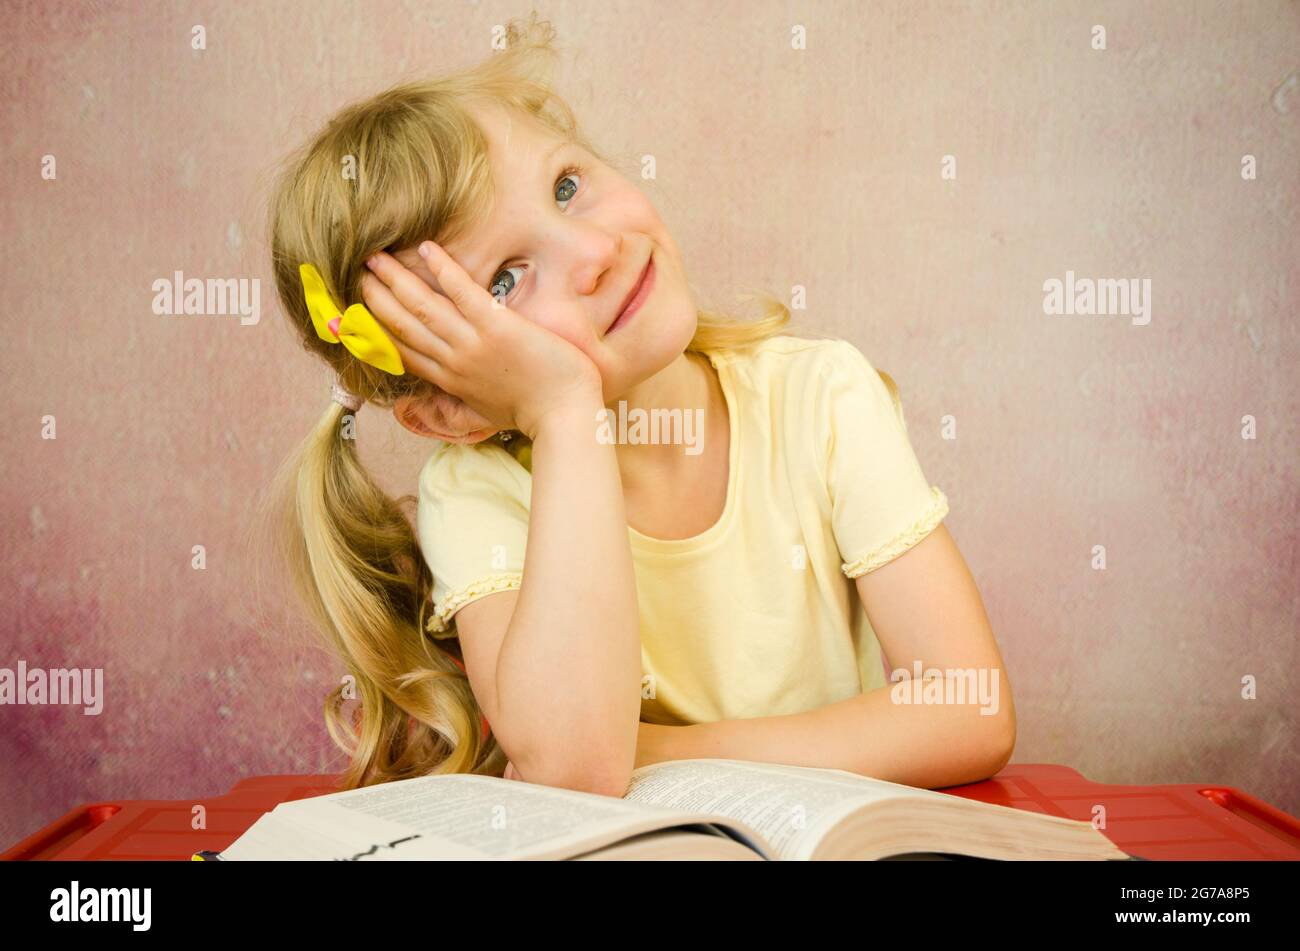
point(929, 745)
point(570, 662)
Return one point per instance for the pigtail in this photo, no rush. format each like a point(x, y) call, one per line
point(355, 562)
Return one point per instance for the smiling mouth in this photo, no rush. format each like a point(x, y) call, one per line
point(636, 296)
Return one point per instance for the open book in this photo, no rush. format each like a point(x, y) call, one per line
point(680, 809)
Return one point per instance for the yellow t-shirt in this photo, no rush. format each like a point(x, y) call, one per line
point(757, 615)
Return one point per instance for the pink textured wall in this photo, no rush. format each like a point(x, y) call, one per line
point(777, 167)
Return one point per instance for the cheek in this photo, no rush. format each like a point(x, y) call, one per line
point(639, 213)
point(558, 321)
point(577, 330)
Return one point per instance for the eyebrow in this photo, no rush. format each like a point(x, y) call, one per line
point(545, 163)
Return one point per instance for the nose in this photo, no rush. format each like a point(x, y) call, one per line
point(599, 263)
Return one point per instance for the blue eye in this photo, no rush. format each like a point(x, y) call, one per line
point(501, 289)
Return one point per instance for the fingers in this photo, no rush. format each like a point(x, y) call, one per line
point(406, 332)
point(414, 307)
point(472, 301)
point(405, 327)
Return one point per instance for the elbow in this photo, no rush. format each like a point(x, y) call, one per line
point(560, 768)
point(986, 759)
point(603, 775)
point(600, 782)
point(581, 758)
point(613, 784)
point(1002, 743)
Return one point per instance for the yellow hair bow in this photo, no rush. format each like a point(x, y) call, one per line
point(355, 328)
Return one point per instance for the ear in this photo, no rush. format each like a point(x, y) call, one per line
point(442, 416)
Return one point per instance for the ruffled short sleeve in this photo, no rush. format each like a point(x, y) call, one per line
point(472, 522)
point(881, 502)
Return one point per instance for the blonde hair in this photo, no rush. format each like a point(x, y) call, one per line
point(419, 168)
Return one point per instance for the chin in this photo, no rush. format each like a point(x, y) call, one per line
point(668, 342)
point(685, 330)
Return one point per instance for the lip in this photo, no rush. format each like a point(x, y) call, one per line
point(636, 297)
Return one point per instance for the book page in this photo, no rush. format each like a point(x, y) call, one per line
point(464, 816)
point(790, 806)
point(274, 837)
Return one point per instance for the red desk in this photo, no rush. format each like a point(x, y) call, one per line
point(1176, 822)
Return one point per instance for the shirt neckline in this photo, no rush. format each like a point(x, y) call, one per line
point(649, 543)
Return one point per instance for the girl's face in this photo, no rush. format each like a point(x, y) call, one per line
point(566, 241)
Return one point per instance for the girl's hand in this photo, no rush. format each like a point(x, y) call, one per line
point(508, 369)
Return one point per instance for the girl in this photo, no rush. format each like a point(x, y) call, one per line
point(576, 606)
